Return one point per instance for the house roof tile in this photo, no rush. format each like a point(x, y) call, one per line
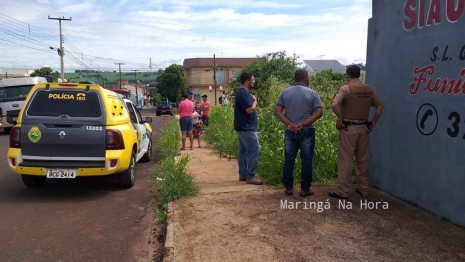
point(320, 65)
point(220, 62)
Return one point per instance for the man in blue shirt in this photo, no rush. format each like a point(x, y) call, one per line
point(302, 107)
point(245, 124)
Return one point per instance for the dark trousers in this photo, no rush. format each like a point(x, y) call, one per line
point(205, 120)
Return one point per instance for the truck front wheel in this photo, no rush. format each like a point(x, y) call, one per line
point(127, 178)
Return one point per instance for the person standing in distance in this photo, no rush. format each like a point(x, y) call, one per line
point(191, 97)
point(245, 124)
point(302, 107)
point(205, 110)
point(185, 110)
point(351, 104)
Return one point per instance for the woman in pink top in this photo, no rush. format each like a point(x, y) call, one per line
point(185, 110)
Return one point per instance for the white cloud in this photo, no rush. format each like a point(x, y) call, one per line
point(105, 31)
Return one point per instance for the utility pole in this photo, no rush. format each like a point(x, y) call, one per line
point(61, 51)
point(214, 74)
point(119, 73)
point(135, 80)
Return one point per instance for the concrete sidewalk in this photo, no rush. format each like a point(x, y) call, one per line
point(233, 221)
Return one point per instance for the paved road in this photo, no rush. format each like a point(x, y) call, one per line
point(86, 219)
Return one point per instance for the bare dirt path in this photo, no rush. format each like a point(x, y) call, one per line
point(232, 221)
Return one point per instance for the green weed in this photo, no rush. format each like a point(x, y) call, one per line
point(169, 140)
point(170, 179)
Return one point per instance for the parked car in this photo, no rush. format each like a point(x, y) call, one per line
point(66, 130)
point(139, 107)
point(173, 104)
point(164, 108)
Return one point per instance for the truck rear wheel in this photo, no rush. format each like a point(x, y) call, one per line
point(127, 178)
point(33, 181)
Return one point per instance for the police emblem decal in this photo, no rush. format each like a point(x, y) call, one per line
point(34, 134)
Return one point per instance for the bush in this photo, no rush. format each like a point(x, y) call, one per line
point(172, 181)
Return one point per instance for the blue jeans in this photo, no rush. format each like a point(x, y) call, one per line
point(305, 141)
point(186, 123)
point(249, 152)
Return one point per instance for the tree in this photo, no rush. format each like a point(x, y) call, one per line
point(46, 72)
point(170, 83)
point(326, 83)
point(276, 65)
point(362, 66)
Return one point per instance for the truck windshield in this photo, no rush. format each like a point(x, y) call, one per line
point(14, 93)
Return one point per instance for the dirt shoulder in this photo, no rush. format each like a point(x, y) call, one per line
point(232, 221)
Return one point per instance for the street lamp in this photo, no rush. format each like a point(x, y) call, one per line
point(61, 54)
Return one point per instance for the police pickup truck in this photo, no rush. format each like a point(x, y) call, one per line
point(69, 130)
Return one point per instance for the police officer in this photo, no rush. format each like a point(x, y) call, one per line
point(351, 104)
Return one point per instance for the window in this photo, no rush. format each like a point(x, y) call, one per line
point(65, 103)
point(196, 95)
point(133, 113)
point(235, 73)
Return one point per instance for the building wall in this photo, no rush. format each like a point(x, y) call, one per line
point(416, 63)
point(199, 79)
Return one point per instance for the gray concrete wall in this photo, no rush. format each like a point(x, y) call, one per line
point(417, 152)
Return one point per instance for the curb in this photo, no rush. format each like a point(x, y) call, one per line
point(169, 241)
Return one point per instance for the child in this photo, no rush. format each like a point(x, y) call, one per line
point(197, 127)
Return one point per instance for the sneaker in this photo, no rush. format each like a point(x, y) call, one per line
point(254, 181)
point(289, 191)
point(242, 178)
point(305, 193)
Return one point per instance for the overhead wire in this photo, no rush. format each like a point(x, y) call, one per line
point(49, 7)
point(21, 35)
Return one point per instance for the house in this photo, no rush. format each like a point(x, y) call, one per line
point(200, 75)
point(316, 66)
point(141, 92)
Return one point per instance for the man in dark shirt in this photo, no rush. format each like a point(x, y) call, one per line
point(245, 124)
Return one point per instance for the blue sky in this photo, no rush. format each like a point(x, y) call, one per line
point(104, 32)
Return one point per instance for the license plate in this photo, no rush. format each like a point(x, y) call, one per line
point(61, 173)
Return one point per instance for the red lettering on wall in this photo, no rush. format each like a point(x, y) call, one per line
point(434, 12)
point(431, 12)
point(454, 9)
point(421, 14)
point(409, 12)
point(443, 86)
point(420, 79)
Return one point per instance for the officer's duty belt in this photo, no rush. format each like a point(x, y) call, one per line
point(349, 123)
